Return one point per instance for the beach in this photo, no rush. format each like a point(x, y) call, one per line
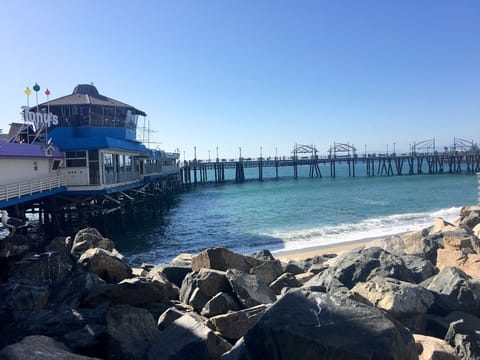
point(309, 252)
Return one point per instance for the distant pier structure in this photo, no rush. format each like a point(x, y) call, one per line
point(342, 159)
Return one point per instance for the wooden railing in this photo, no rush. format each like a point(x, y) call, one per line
point(18, 190)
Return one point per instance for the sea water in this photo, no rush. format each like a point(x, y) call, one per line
point(290, 213)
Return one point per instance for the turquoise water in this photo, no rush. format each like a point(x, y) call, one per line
point(290, 214)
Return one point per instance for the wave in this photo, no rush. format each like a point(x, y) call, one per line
point(369, 228)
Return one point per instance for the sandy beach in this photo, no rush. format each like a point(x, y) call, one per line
point(299, 254)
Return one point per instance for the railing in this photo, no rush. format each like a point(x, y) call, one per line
point(17, 190)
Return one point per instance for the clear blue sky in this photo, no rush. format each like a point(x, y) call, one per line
point(257, 73)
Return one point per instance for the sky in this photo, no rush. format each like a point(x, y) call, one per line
point(260, 75)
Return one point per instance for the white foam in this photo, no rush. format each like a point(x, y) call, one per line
point(370, 228)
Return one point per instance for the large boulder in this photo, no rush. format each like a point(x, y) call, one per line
point(132, 331)
point(222, 259)
point(358, 265)
point(248, 289)
point(268, 271)
point(406, 302)
point(90, 340)
point(312, 325)
point(440, 225)
point(136, 292)
point(17, 245)
point(434, 349)
point(188, 338)
point(219, 304)
point(453, 290)
point(286, 280)
point(208, 282)
point(38, 347)
point(233, 325)
point(105, 264)
point(421, 268)
point(470, 219)
point(49, 268)
point(89, 238)
point(464, 334)
point(175, 272)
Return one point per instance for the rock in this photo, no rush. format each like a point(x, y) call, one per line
point(248, 289)
point(103, 263)
point(168, 317)
point(418, 243)
point(183, 259)
point(293, 268)
point(268, 271)
point(303, 278)
point(453, 290)
point(91, 340)
point(476, 231)
point(25, 296)
point(465, 342)
point(59, 244)
point(136, 292)
point(90, 238)
point(49, 268)
point(358, 265)
point(198, 300)
point(209, 282)
point(264, 255)
point(38, 347)
point(406, 302)
point(434, 349)
point(464, 211)
point(219, 304)
point(286, 280)
point(312, 325)
point(223, 259)
point(132, 331)
point(468, 263)
point(17, 245)
point(327, 281)
point(471, 220)
point(422, 269)
point(175, 273)
point(440, 225)
point(233, 325)
point(464, 334)
point(188, 338)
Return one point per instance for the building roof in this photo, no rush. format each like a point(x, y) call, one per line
point(85, 94)
point(16, 150)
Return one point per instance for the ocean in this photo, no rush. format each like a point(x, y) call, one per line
point(290, 213)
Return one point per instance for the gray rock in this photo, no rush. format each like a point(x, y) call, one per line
point(136, 292)
point(25, 296)
point(175, 273)
point(132, 331)
point(406, 302)
point(223, 259)
point(453, 290)
point(328, 282)
point(470, 220)
point(293, 268)
point(233, 325)
point(268, 271)
point(168, 317)
point(90, 340)
point(188, 338)
point(18, 245)
point(219, 304)
point(49, 268)
point(264, 255)
point(38, 347)
point(287, 280)
point(421, 268)
point(312, 325)
point(198, 300)
point(210, 282)
point(248, 289)
point(464, 334)
point(90, 238)
point(106, 265)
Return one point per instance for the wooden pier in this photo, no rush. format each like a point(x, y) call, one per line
point(198, 171)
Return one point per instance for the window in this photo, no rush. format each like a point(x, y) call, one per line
point(56, 164)
point(76, 158)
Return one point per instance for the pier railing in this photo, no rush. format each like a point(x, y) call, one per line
point(18, 190)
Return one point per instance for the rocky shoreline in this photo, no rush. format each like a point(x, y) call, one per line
point(413, 296)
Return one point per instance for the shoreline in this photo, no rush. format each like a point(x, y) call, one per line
point(335, 248)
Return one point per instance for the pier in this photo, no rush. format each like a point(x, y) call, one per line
point(342, 160)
